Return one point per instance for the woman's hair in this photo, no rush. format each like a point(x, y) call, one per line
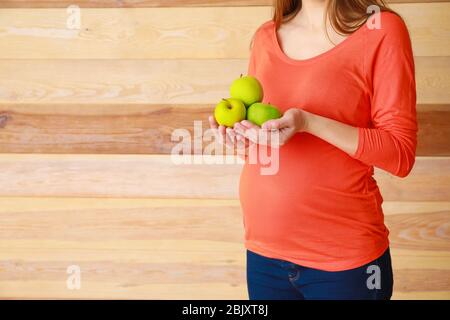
point(346, 16)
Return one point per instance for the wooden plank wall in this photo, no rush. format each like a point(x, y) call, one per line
point(86, 177)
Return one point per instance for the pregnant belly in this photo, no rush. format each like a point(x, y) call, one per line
point(308, 162)
point(319, 193)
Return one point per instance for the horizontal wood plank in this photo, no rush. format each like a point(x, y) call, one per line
point(141, 248)
point(413, 225)
point(117, 289)
point(150, 3)
point(428, 231)
point(175, 33)
point(433, 85)
point(131, 129)
point(117, 81)
point(421, 295)
point(122, 289)
point(81, 219)
point(169, 33)
point(115, 176)
point(157, 176)
point(159, 81)
point(100, 128)
point(429, 180)
point(163, 251)
point(434, 130)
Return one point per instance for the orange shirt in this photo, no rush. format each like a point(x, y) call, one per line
point(322, 209)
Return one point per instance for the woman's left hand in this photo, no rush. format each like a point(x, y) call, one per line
point(293, 121)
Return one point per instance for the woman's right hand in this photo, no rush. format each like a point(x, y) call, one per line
point(225, 136)
point(229, 137)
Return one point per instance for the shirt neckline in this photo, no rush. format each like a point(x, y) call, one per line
point(285, 57)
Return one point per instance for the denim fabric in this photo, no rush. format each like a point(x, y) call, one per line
point(275, 279)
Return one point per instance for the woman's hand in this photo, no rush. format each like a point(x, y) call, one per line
point(225, 136)
point(229, 137)
point(275, 132)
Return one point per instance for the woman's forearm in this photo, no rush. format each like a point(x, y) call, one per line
point(341, 135)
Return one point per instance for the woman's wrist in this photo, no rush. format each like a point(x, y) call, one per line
point(306, 122)
point(341, 135)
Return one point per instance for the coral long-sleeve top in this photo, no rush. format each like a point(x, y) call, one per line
point(322, 209)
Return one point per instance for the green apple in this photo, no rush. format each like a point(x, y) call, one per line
point(247, 89)
point(258, 113)
point(229, 111)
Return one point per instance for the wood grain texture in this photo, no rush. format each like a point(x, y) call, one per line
point(122, 290)
point(433, 85)
point(160, 81)
point(175, 33)
point(115, 176)
point(163, 33)
point(421, 226)
point(421, 295)
point(428, 182)
point(151, 3)
point(138, 225)
point(117, 81)
point(169, 251)
point(434, 130)
point(161, 249)
point(131, 129)
point(419, 232)
point(84, 219)
point(101, 128)
point(157, 176)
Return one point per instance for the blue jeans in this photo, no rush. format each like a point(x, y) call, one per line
point(275, 279)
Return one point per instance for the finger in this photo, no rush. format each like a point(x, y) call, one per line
point(241, 145)
point(276, 124)
point(251, 131)
point(252, 134)
point(231, 135)
point(222, 134)
point(243, 138)
point(272, 125)
point(212, 122)
point(239, 128)
point(228, 141)
point(240, 135)
point(249, 125)
point(222, 130)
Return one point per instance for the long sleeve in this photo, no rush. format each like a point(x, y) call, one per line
point(390, 144)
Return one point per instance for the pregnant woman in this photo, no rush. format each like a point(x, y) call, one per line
point(343, 77)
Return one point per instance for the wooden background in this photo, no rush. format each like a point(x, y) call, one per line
point(86, 179)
